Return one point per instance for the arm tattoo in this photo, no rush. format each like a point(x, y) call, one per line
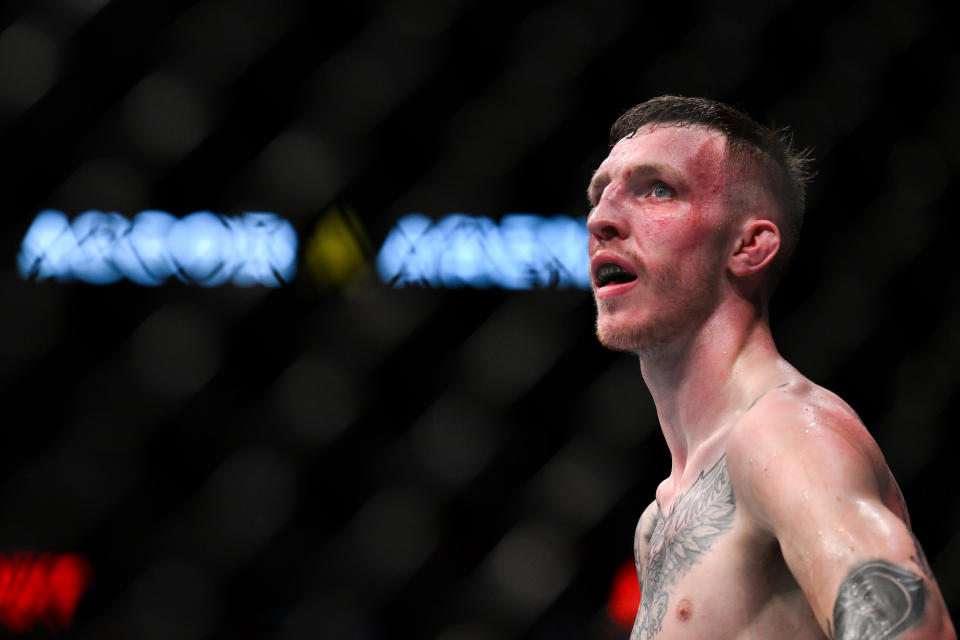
point(877, 600)
point(699, 516)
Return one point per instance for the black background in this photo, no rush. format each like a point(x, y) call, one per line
point(361, 462)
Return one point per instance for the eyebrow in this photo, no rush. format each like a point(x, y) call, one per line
point(601, 179)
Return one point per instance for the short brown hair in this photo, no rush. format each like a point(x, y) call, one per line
point(787, 169)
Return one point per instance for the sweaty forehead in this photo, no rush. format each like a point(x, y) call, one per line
point(696, 153)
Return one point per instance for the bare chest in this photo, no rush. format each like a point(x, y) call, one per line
point(704, 575)
point(678, 540)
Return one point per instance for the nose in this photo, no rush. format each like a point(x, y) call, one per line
point(605, 222)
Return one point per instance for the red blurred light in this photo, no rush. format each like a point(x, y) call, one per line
point(43, 589)
point(624, 595)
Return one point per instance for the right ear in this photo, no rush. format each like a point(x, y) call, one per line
point(756, 246)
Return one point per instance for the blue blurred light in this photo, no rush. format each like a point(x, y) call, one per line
point(524, 251)
point(202, 248)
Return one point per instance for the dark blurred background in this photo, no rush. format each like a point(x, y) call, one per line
point(343, 460)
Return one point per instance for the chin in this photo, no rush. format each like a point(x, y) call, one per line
point(640, 336)
point(621, 336)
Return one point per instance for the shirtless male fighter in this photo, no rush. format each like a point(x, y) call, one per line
point(780, 518)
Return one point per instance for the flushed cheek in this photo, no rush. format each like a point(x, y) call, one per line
point(684, 226)
point(673, 236)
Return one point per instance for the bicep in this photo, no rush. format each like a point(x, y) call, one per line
point(859, 569)
point(857, 562)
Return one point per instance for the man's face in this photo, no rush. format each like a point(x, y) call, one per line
point(658, 235)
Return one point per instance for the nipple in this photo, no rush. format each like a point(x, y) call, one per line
point(684, 610)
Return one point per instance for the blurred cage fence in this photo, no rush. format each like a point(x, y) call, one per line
point(338, 458)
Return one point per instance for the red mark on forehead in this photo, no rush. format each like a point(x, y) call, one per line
point(707, 165)
point(695, 153)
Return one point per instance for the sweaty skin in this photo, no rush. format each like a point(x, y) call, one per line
point(780, 517)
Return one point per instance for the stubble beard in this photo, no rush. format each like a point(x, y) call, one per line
point(642, 339)
point(691, 305)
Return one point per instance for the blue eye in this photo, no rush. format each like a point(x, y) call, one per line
point(661, 190)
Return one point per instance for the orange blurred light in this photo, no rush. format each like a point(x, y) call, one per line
point(624, 597)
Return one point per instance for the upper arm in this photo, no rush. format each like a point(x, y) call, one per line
point(811, 477)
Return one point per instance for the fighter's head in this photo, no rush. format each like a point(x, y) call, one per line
point(694, 200)
point(764, 158)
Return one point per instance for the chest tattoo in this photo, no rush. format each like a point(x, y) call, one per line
point(698, 517)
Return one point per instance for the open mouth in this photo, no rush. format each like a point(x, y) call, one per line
point(610, 273)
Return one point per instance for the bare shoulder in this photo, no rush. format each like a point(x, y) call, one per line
point(800, 415)
point(806, 471)
point(802, 435)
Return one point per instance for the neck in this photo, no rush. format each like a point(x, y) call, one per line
point(700, 386)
